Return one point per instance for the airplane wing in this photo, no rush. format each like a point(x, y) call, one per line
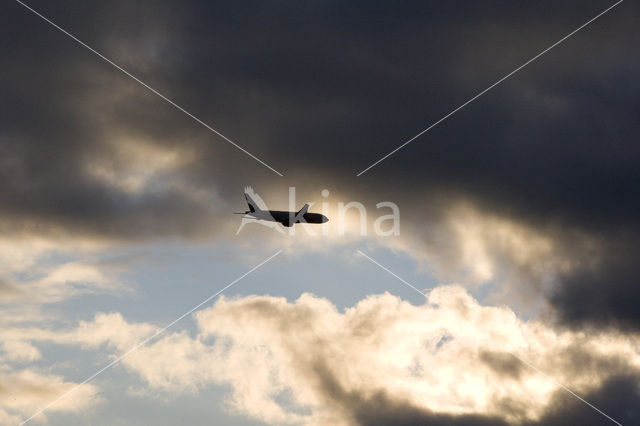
point(303, 210)
point(250, 219)
point(301, 213)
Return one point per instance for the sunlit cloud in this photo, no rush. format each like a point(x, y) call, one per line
point(303, 361)
point(23, 392)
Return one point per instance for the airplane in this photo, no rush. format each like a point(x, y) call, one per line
point(258, 211)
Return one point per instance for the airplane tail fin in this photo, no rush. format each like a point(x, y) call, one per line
point(253, 200)
point(252, 204)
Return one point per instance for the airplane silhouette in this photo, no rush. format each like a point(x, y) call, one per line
point(258, 211)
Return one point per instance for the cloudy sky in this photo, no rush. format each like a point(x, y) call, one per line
point(519, 214)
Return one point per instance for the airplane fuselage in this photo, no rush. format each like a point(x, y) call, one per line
point(288, 218)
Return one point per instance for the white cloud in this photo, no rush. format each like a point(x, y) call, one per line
point(24, 392)
point(9, 419)
point(19, 350)
point(514, 262)
point(302, 362)
point(107, 328)
point(35, 272)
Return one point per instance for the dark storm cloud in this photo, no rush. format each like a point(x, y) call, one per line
point(62, 110)
point(618, 396)
point(320, 91)
point(606, 294)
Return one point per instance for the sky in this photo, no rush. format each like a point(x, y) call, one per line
point(509, 294)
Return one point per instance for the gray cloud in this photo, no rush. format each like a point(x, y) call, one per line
point(8, 290)
point(320, 91)
point(603, 294)
point(618, 397)
point(503, 363)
